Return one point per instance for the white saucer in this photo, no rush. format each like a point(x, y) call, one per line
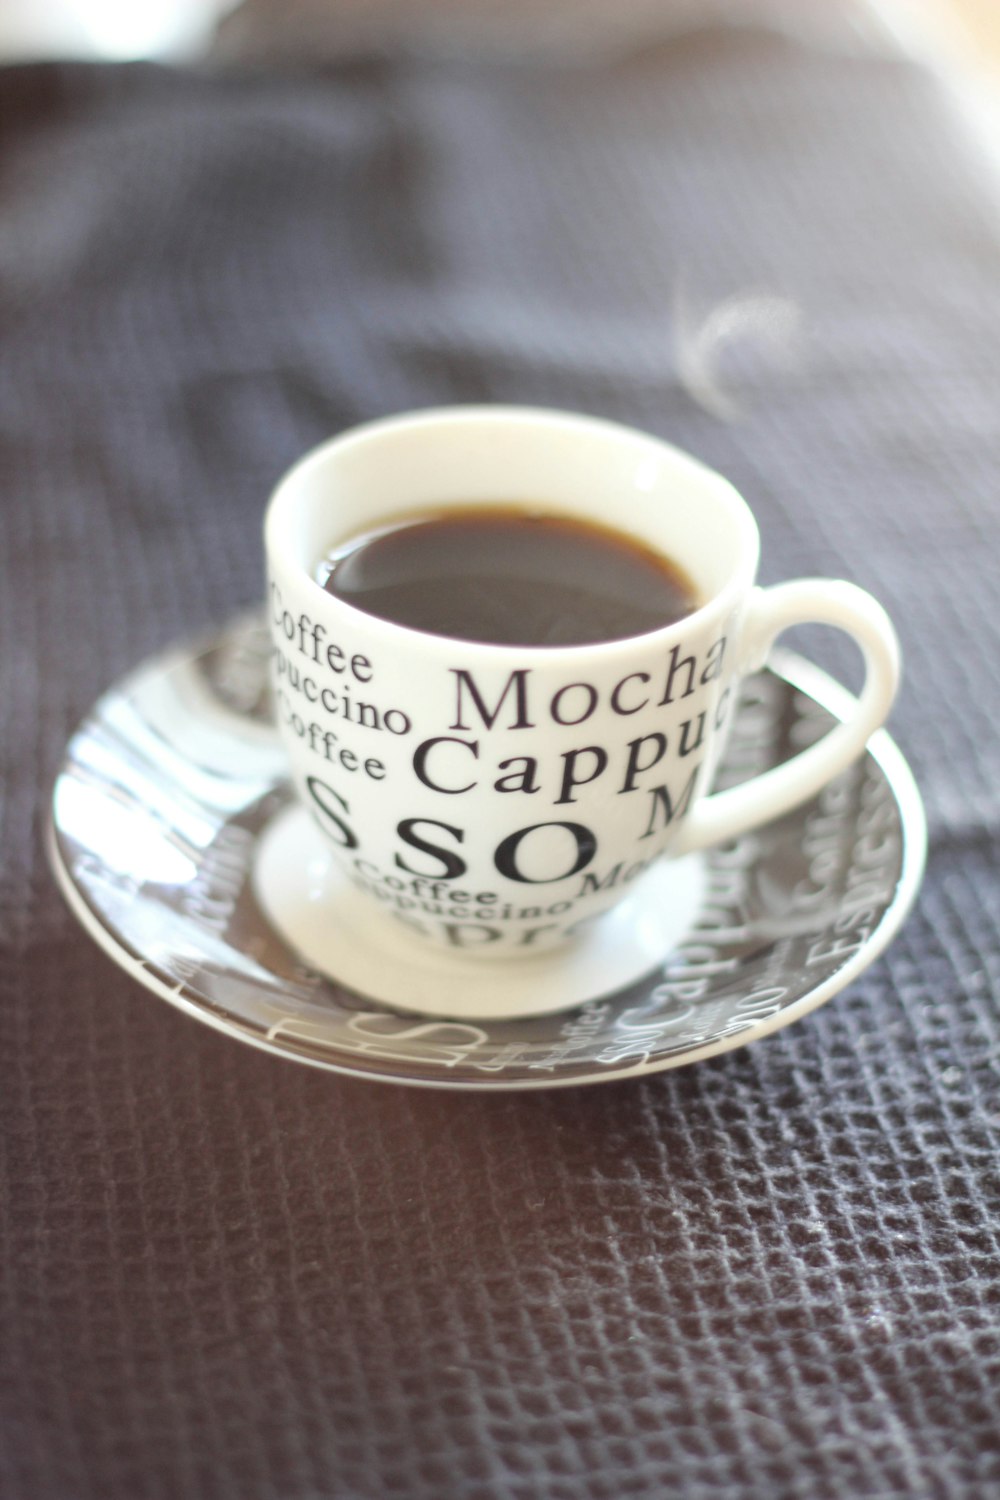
point(173, 789)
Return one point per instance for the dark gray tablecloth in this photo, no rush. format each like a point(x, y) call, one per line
point(775, 1273)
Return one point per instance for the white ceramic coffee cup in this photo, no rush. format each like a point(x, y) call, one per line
point(495, 799)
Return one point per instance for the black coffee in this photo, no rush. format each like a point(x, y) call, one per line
point(510, 576)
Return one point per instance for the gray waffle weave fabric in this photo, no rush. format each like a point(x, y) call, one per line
point(772, 1274)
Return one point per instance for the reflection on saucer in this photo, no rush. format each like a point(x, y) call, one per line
point(329, 924)
point(173, 790)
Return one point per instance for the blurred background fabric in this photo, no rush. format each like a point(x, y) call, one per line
point(775, 1273)
point(117, 29)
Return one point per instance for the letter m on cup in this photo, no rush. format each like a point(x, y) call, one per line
point(516, 684)
point(663, 806)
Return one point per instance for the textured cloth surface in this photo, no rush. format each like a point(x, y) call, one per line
point(774, 1273)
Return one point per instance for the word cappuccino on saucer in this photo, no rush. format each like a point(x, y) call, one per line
point(508, 644)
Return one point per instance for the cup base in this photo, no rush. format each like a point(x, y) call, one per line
point(332, 926)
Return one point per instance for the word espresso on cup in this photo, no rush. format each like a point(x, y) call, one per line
point(507, 648)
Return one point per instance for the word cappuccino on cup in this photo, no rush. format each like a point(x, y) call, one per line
point(508, 644)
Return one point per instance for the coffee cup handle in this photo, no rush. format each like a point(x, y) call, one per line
point(822, 601)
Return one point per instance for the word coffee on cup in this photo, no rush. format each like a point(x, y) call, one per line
point(508, 644)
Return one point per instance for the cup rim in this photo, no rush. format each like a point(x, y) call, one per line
point(285, 496)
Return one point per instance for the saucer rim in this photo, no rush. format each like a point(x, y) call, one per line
point(800, 674)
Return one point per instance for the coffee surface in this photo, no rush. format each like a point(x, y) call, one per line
point(510, 576)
